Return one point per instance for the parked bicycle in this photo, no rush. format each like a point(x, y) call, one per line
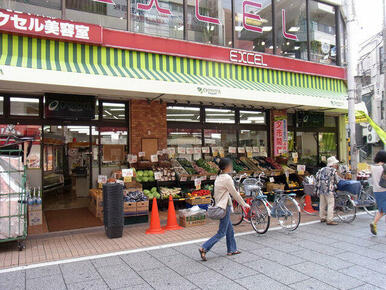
point(366, 199)
point(284, 207)
point(344, 209)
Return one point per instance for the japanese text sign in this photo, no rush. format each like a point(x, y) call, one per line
point(48, 27)
point(280, 134)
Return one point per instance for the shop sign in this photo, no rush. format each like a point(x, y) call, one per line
point(25, 23)
point(280, 133)
point(208, 91)
point(69, 107)
point(245, 57)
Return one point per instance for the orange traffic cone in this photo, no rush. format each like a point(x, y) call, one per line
point(172, 219)
point(155, 225)
point(308, 206)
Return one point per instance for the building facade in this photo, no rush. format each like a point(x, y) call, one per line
point(94, 80)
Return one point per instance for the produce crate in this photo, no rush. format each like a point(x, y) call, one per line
point(199, 200)
point(129, 208)
point(142, 208)
point(96, 202)
point(191, 221)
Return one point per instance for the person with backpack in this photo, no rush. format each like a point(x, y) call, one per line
point(378, 176)
point(224, 189)
point(327, 180)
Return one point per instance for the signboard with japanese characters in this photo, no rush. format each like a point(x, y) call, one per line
point(47, 27)
point(280, 134)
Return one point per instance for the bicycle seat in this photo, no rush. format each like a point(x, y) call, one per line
point(278, 191)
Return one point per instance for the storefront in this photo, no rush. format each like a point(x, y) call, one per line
point(215, 87)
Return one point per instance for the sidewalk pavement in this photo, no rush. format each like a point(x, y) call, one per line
point(316, 256)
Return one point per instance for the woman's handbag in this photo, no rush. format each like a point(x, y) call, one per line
point(216, 213)
point(382, 181)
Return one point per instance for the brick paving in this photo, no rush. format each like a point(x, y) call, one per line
point(53, 247)
point(316, 256)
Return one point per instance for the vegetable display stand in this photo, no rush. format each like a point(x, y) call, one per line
point(13, 206)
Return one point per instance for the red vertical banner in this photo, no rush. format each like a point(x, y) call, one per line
point(280, 132)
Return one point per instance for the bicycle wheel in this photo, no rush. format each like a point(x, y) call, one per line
point(345, 208)
point(303, 208)
point(368, 201)
point(288, 214)
point(238, 214)
point(259, 216)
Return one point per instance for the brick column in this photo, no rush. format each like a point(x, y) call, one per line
point(147, 121)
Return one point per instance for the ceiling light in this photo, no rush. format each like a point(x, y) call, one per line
point(239, 28)
point(267, 28)
point(294, 29)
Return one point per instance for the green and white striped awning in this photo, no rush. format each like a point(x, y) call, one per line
point(28, 52)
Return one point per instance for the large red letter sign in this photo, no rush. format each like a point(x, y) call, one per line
point(105, 1)
point(148, 7)
point(252, 16)
point(205, 18)
point(285, 34)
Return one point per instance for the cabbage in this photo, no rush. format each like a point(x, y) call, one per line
point(154, 189)
point(139, 178)
point(140, 173)
point(145, 179)
point(151, 173)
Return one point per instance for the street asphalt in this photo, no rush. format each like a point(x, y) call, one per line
point(316, 256)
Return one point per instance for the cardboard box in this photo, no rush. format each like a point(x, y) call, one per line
point(129, 208)
point(35, 218)
point(191, 221)
point(274, 186)
point(143, 207)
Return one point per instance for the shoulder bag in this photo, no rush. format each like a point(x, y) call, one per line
point(382, 181)
point(216, 212)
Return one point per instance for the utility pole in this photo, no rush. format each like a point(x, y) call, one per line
point(352, 60)
point(384, 63)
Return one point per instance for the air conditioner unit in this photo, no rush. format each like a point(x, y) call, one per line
point(370, 134)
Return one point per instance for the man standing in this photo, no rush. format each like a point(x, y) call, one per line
point(327, 180)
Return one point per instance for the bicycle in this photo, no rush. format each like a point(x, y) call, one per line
point(366, 199)
point(344, 209)
point(284, 207)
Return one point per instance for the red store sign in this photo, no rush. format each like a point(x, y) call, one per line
point(23, 23)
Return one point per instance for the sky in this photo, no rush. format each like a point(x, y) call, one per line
point(370, 17)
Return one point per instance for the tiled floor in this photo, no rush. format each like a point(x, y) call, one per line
point(78, 244)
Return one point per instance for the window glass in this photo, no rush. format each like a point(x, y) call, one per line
point(307, 148)
point(253, 138)
point(221, 116)
point(187, 138)
point(24, 106)
point(114, 111)
point(209, 22)
point(108, 15)
point(112, 136)
point(342, 41)
point(322, 33)
point(164, 19)
point(250, 32)
point(50, 8)
point(291, 38)
point(327, 145)
point(329, 121)
point(252, 117)
point(223, 138)
point(183, 114)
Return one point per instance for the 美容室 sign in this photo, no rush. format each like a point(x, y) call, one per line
point(24, 23)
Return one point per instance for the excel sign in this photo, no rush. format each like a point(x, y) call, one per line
point(24, 23)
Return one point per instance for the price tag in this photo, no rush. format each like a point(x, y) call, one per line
point(102, 179)
point(248, 149)
point(183, 178)
point(194, 177)
point(159, 152)
point(205, 150)
point(141, 154)
point(214, 151)
point(213, 177)
point(203, 178)
point(262, 149)
point(197, 150)
point(132, 158)
point(189, 150)
point(241, 149)
point(323, 158)
point(171, 150)
point(154, 158)
point(294, 155)
point(255, 149)
point(181, 150)
point(221, 152)
point(197, 183)
point(232, 150)
point(120, 182)
point(271, 179)
point(127, 179)
point(165, 151)
point(249, 154)
point(157, 175)
point(301, 169)
point(128, 172)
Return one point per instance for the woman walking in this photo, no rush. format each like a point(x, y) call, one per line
point(223, 190)
point(379, 191)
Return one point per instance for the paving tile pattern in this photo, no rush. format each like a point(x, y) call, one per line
point(314, 257)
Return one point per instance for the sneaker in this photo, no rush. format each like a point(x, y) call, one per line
point(332, 223)
point(373, 229)
point(323, 220)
